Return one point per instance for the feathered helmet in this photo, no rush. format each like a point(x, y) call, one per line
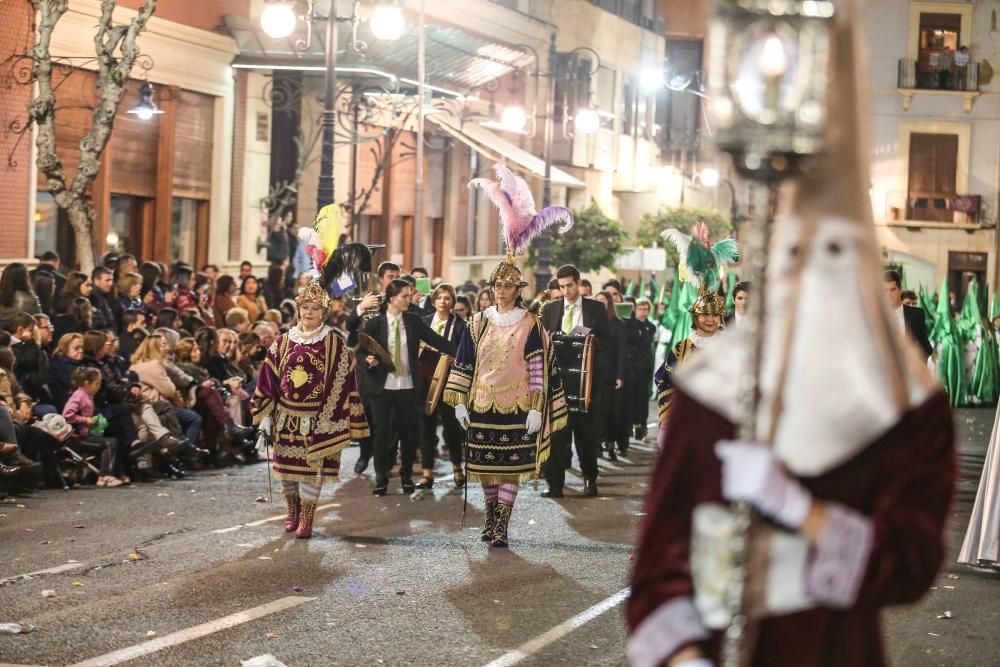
point(518, 218)
point(701, 264)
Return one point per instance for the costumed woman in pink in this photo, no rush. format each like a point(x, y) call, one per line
point(307, 400)
point(852, 474)
point(504, 384)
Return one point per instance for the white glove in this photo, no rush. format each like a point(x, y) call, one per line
point(462, 415)
point(265, 425)
point(534, 422)
point(750, 472)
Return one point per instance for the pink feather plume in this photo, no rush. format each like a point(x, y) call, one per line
point(516, 206)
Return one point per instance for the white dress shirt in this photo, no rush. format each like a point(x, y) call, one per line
point(577, 313)
point(401, 379)
point(900, 319)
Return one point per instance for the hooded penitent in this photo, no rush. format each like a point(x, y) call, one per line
point(837, 373)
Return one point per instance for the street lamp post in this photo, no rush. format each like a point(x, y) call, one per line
point(278, 20)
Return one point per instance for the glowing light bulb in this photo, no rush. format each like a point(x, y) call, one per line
point(514, 119)
point(709, 177)
point(387, 22)
point(144, 114)
point(277, 20)
point(773, 61)
point(587, 121)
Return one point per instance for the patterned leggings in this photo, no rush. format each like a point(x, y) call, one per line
point(505, 493)
point(308, 492)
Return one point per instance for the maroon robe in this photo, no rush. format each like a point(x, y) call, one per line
point(310, 393)
point(899, 487)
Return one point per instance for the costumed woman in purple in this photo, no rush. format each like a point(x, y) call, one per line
point(504, 384)
point(307, 399)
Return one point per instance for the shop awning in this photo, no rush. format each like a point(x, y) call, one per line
point(495, 147)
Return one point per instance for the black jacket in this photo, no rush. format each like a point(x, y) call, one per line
point(104, 315)
point(61, 379)
point(916, 327)
point(595, 318)
point(373, 379)
point(32, 369)
point(639, 343)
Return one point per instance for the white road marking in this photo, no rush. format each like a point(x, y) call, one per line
point(58, 569)
point(196, 632)
point(268, 520)
point(535, 645)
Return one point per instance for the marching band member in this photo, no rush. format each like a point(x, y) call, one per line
point(452, 328)
point(393, 390)
point(563, 316)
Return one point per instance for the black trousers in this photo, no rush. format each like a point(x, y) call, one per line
point(454, 436)
point(395, 412)
point(366, 443)
point(581, 431)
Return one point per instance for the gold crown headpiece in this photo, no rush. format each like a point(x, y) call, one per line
point(708, 303)
point(313, 293)
point(507, 270)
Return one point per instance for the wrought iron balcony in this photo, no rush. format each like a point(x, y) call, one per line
point(912, 78)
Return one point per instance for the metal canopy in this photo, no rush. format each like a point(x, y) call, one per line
point(456, 60)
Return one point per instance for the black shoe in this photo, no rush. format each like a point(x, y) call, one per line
point(234, 431)
point(589, 487)
point(426, 483)
point(612, 456)
point(380, 490)
point(552, 493)
point(361, 465)
point(175, 472)
point(143, 449)
point(408, 486)
point(9, 471)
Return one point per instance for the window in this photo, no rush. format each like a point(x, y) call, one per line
point(182, 230)
point(678, 113)
point(937, 31)
point(629, 104)
point(962, 268)
point(937, 172)
point(47, 227)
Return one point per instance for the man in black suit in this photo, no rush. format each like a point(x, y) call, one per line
point(909, 320)
point(387, 272)
point(48, 265)
point(393, 395)
point(639, 332)
point(562, 316)
point(452, 327)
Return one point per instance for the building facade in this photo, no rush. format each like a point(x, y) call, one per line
point(936, 138)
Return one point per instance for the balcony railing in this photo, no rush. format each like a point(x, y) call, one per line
point(910, 76)
point(896, 206)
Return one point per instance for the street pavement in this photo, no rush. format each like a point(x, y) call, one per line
point(198, 572)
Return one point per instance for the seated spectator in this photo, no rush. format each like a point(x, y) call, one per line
point(166, 318)
point(79, 412)
point(225, 297)
point(250, 299)
point(151, 293)
point(65, 361)
point(16, 293)
point(77, 285)
point(35, 445)
point(238, 320)
point(204, 289)
point(8, 382)
point(45, 291)
point(102, 280)
point(129, 300)
point(133, 333)
point(267, 331)
point(32, 361)
point(275, 289)
point(250, 354)
point(78, 318)
point(214, 347)
point(184, 297)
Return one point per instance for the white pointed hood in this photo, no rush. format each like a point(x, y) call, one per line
point(836, 371)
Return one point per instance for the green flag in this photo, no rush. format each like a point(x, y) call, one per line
point(730, 301)
point(951, 360)
point(682, 322)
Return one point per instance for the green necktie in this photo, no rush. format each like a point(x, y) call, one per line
point(397, 357)
point(568, 318)
point(439, 326)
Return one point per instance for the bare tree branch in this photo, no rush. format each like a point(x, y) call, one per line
point(116, 51)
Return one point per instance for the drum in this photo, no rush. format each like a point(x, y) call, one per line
point(575, 356)
point(434, 369)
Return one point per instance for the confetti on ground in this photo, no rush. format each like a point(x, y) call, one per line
point(946, 614)
point(77, 584)
point(151, 633)
point(48, 593)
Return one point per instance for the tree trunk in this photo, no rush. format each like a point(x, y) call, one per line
point(81, 219)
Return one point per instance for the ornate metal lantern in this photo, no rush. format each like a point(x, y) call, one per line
point(768, 64)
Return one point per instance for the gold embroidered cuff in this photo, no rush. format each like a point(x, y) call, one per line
point(538, 400)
